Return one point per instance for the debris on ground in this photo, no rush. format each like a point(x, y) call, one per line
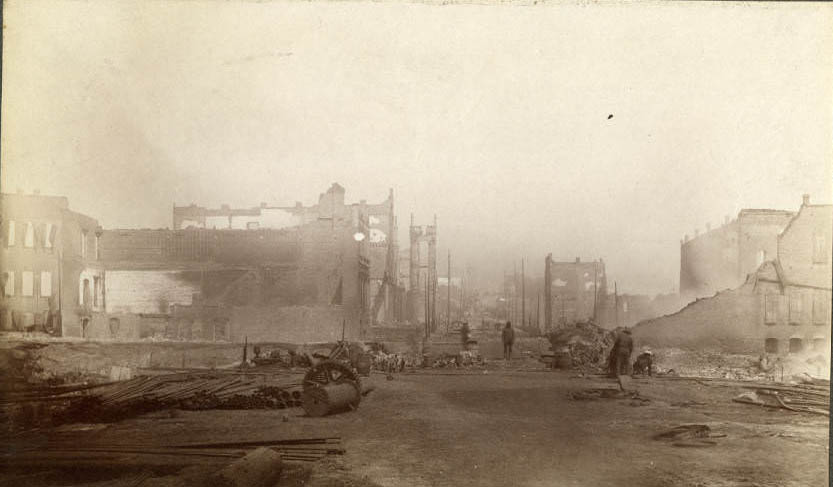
point(92, 453)
point(607, 393)
point(802, 398)
point(108, 402)
point(586, 344)
point(689, 435)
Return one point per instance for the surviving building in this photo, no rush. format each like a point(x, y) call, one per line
point(783, 307)
point(52, 279)
point(723, 257)
point(308, 281)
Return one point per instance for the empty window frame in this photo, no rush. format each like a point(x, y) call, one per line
point(771, 308)
point(27, 285)
point(819, 249)
point(29, 238)
point(83, 244)
point(47, 235)
point(796, 345)
point(8, 279)
point(795, 309)
point(771, 345)
point(10, 234)
point(821, 309)
point(46, 284)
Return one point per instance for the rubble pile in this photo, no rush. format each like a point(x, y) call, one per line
point(719, 365)
point(588, 345)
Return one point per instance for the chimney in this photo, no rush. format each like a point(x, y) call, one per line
point(263, 204)
point(578, 260)
point(805, 199)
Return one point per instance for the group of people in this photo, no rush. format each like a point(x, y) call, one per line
point(619, 360)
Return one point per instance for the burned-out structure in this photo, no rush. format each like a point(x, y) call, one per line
point(573, 291)
point(723, 257)
point(422, 274)
point(387, 294)
point(295, 275)
point(782, 307)
point(52, 278)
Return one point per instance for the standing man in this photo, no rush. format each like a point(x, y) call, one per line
point(508, 341)
point(620, 354)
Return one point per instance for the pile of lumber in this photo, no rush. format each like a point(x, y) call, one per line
point(206, 391)
point(100, 454)
point(804, 398)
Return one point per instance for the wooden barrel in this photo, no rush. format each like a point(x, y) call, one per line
point(331, 398)
point(562, 360)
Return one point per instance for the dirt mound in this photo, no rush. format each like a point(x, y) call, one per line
point(587, 344)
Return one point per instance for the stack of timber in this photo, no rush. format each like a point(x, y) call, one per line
point(56, 454)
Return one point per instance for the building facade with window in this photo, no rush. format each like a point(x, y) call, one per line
point(781, 308)
point(48, 253)
point(796, 287)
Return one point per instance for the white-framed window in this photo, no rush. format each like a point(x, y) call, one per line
point(83, 244)
point(29, 239)
point(46, 284)
point(819, 249)
point(47, 236)
point(771, 311)
point(795, 309)
point(27, 285)
point(11, 240)
point(821, 309)
point(8, 289)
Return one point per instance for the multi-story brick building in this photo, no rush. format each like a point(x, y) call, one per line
point(795, 288)
point(52, 279)
point(385, 289)
point(302, 282)
point(782, 307)
point(723, 257)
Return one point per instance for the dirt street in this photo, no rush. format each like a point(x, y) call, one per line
point(503, 427)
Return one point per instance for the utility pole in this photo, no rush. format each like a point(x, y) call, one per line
point(616, 305)
point(548, 292)
point(523, 293)
point(595, 292)
point(505, 298)
point(448, 288)
point(515, 293)
point(538, 312)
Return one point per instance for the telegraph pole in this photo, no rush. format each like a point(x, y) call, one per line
point(616, 304)
point(548, 292)
point(448, 289)
point(523, 293)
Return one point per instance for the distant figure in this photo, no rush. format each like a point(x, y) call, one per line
point(644, 363)
point(508, 341)
point(620, 354)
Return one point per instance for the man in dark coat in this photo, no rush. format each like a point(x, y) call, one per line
point(620, 354)
point(508, 341)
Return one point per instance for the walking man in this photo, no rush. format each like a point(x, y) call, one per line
point(508, 341)
point(620, 354)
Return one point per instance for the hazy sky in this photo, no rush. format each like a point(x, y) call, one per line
point(496, 118)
